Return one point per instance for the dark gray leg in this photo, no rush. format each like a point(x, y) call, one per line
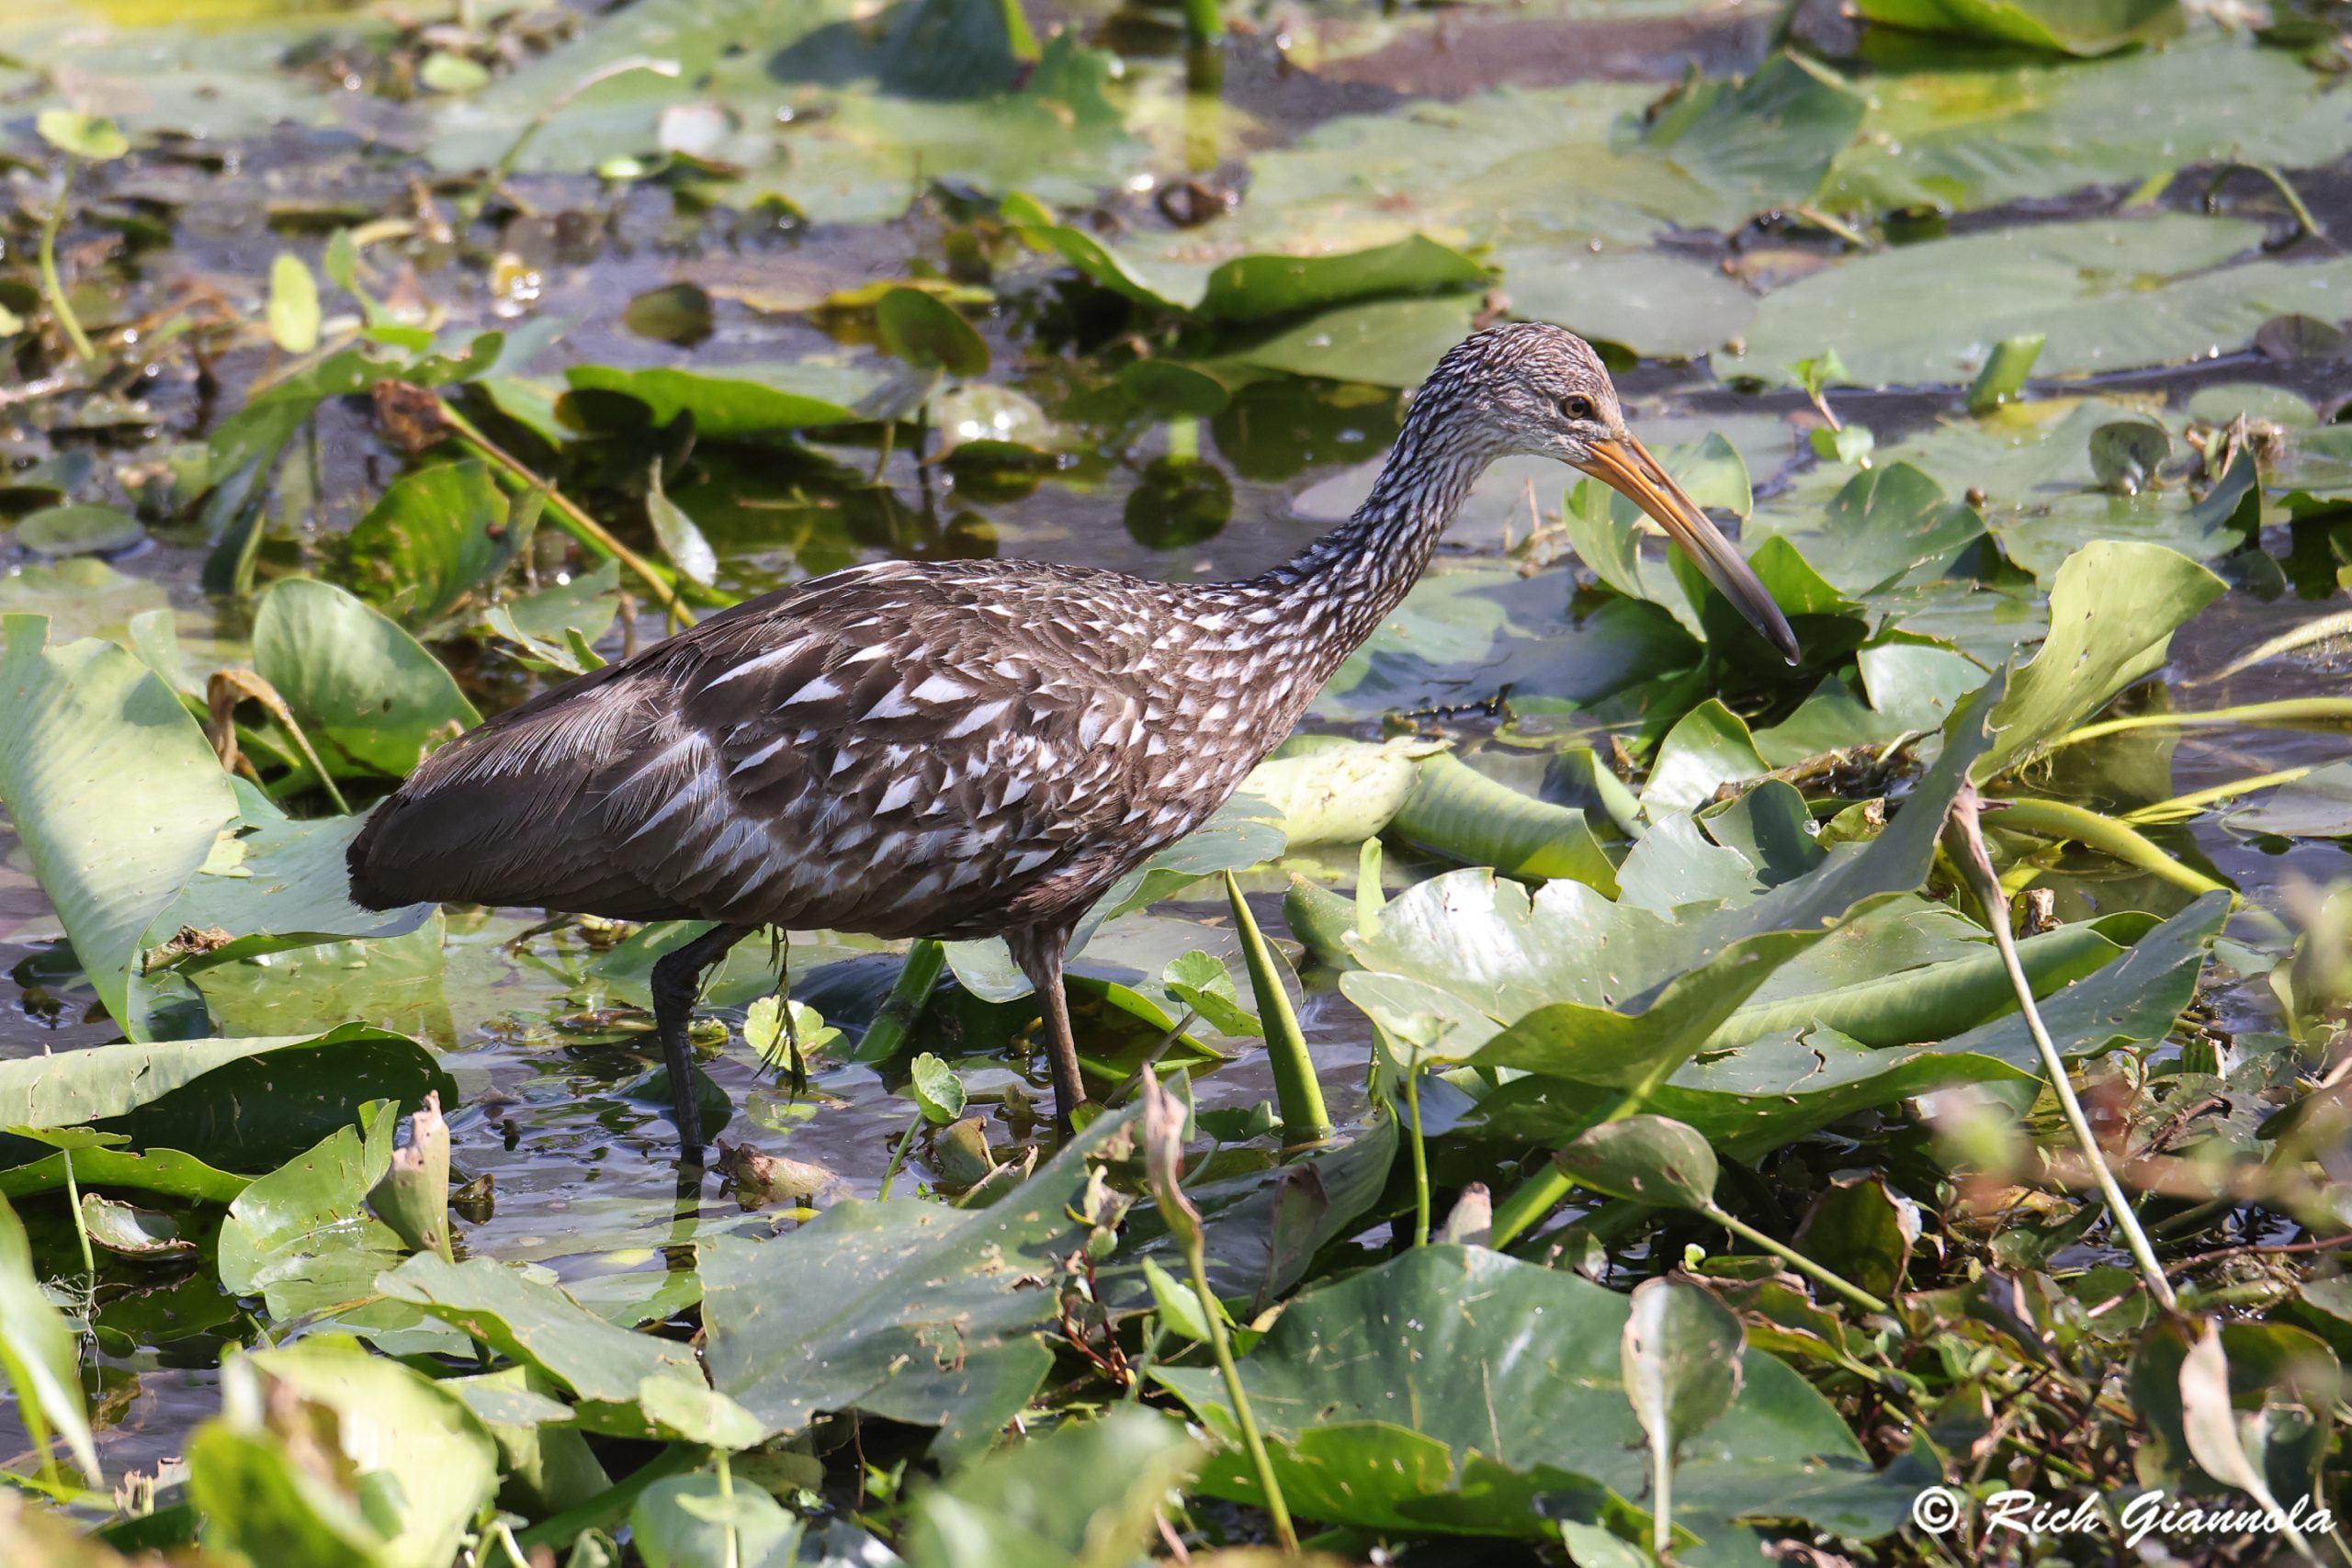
point(1039, 952)
point(677, 984)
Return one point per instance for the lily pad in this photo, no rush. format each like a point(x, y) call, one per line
point(148, 1235)
point(749, 399)
point(367, 695)
point(900, 1308)
point(2108, 294)
point(436, 536)
point(1383, 1399)
point(2065, 27)
point(79, 531)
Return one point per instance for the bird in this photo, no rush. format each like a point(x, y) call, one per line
point(970, 749)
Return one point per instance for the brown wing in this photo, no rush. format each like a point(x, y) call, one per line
point(900, 748)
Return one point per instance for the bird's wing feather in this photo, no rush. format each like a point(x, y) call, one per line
point(896, 749)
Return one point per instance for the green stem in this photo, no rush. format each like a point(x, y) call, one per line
point(2182, 806)
point(2057, 820)
point(1203, 22)
point(898, 1154)
point(1196, 1253)
point(1297, 1091)
point(2287, 711)
point(50, 287)
point(1977, 865)
point(569, 516)
point(727, 1496)
point(1421, 1157)
point(1662, 1493)
point(909, 994)
point(1547, 1189)
point(80, 1228)
point(606, 1510)
point(1797, 1261)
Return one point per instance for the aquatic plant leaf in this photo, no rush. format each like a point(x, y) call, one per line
point(900, 1308)
point(367, 695)
point(1681, 1355)
point(534, 1321)
point(424, 1466)
point(1466, 816)
point(2318, 805)
point(1644, 1160)
point(167, 1171)
point(2113, 608)
point(434, 536)
point(2065, 27)
point(1084, 1496)
point(1251, 287)
point(1659, 306)
point(59, 531)
point(749, 399)
point(148, 1235)
point(79, 596)
point(1708, 748)
point(927, 333)
point(115, 792)
point(1388, 342)
point(43, 1365)
point(1387, 1406)
point(1969, 140)
point(2108, 294)
point(686, 1521)
point(1863, 1231)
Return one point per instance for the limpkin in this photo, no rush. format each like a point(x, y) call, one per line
point(968, 749)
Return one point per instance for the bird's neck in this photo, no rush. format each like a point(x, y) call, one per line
point(1362, 569)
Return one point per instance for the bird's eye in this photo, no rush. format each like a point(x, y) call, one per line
point(1579, 407)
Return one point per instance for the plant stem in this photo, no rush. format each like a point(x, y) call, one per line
point(569, 516)
point(80, 1228)
point(50, 287)
point(1797, 1261)
point(2182, 806)
point(727, 1494)
point(1297, 1091)
point(2288, 711)
point(1196, 1254)
point(1204, 22)
point(1421, 1157)
point(1977, 865)
point(2057, 820)
point(1541, 1193)
point(909, 994)
point(898, 1154)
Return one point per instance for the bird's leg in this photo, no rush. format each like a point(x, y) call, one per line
point(1039, 952)
point(677, 983)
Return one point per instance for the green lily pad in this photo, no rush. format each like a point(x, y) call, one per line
point(537, 1323)
point(147, 1236)
point(424, 1464)
point(367, 695)
point(2108, 294)
point(436, 536)
point(899, 1308)
point(1971, 139)
point(1383, 1407)
point(79, 531)
point(1070, 1499)
point(749, 399)
point(2065, 27)
point(2113, 608)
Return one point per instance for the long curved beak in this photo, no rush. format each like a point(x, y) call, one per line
point(1625, 465)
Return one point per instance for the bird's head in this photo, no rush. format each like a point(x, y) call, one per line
point(1534, 389)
